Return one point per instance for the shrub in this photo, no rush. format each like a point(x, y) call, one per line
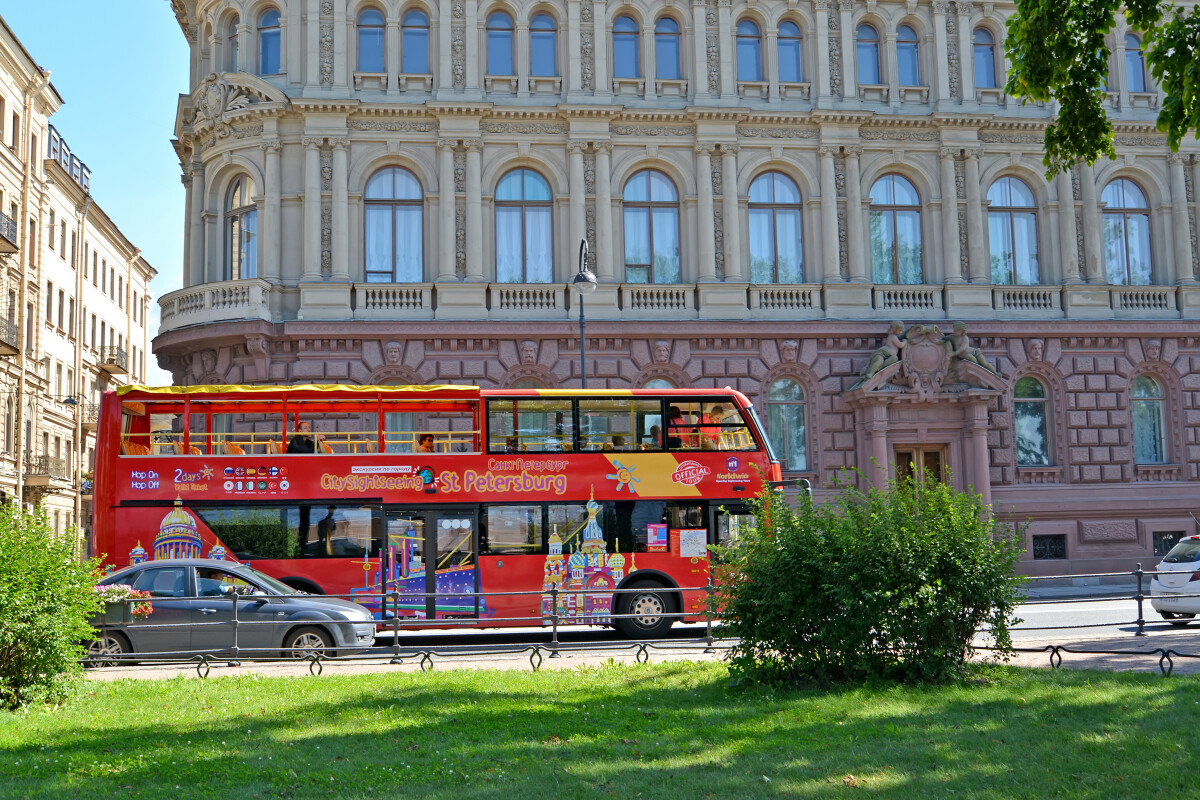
point(46, 600)
point(883, 584)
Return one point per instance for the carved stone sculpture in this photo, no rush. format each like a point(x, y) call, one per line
point(888, 353)
point(958, 347)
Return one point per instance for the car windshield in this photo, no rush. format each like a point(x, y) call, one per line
point(1183, 553)
point(267, 580)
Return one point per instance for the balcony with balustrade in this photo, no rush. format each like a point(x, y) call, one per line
point(8, 235)
point(113, 360)
point(41, 470)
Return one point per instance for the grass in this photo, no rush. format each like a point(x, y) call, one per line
point(657, 731)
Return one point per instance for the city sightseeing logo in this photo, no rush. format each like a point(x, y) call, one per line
point(690, 473)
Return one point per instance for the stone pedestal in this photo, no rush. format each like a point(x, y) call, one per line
point(722, 300)
point(461, 301)
point(1087, 302)
point(848, 301)
point(325, 301)
point(969, 301)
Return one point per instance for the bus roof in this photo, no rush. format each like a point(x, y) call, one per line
point(135, 392)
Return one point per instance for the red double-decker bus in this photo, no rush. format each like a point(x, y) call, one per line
point(446, 497)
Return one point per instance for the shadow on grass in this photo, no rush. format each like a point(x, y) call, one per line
point(665, 731)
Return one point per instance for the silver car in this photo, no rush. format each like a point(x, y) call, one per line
point(1175, 587)
point(194, 599)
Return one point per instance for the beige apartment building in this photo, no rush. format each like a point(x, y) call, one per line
point(395, 191)
point(77, 295)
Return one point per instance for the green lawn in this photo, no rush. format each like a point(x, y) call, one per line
point(657, 731)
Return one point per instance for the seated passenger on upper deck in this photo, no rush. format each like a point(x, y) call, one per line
point(305, 441)
point(425, 443)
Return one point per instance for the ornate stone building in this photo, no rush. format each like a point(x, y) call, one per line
point(77, 295)
point(395, 191)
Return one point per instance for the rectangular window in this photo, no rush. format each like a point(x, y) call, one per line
point(29, 317)
point(58, 380)
point(71, 317)
point(619, 424)
point(112, 281)
point(135, 307)
point(95, 268)
point(535, 425)
point(103, 275)
point(121, 291)
point(50, 302)
point(62, 304)
point(62, 238)
point(103, 332)
point(1165, 540)
point(92, 338)
point(512, 530)
point(16, 132)
point(1050, 547)
point(51, 228)
point(74, 247)
point(70, 382)
point(86, 249)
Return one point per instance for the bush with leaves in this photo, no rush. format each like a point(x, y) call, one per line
point(46, 600)
point(883, 584)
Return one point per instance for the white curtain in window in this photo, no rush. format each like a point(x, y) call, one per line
point(409, 248)
point(539, 261)
point(787, 235)
point(508, 245)
point(762, 246)
point(666, 245)
point(379, 243)
point(908, 244)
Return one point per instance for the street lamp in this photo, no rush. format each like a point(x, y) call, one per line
point(585, 284)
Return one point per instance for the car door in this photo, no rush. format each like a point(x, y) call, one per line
point(261, 616)
point(168, 628)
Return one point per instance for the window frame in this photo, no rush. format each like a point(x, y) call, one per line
point(859, 43)
point(626, 37)
point(798, 40)
point(774, 207)
point(1042, 404)
point(779, 447)
point(493, 30)
point(651, 206)
point(265, 33)
point(1124, 212)
point(903, 46)
point(548, 38)
point(1141, 66)
point(247, 254)
point(659, 37)
point(408, 30)
point(743, 40)
point(1011, 211)
point(524, 204)
point(1159, 403)
point(890, 210)
point(393, 203)
point(373, 29)
point(990, 56)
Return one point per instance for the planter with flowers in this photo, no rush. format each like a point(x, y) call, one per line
point(122, 603)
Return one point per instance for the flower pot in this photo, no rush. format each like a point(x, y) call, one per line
point(114, 614)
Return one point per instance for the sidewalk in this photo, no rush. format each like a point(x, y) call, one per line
point(1068, 588)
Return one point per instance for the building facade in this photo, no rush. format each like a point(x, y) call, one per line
point(77, 294)
point(391, 191)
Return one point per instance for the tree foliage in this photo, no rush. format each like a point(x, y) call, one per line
point(46, 600)
point(1058, 52)
point(883, 584)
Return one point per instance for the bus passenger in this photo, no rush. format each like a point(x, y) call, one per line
point(711, 429)
point(305, 441)
point(511, 446)
point(618, 442)
point(425, 443)
point(684, 436)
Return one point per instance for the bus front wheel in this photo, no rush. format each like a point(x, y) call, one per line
point(644, 611)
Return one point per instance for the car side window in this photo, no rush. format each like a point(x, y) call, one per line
point(212, 582)
point(162, 582)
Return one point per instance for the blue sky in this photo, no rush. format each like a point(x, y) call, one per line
point(120, 66)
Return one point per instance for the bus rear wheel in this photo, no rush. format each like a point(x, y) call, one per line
point(644, 611)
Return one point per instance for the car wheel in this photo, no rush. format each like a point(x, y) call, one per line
point(106, 650)
point(648, 607)
point(307, 641)
point(1177, 619)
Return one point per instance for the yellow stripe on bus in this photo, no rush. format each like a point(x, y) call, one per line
point(648, 474)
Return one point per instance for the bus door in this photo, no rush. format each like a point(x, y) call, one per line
point(431, 558)
point(730, 520)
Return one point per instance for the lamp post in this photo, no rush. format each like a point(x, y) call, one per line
point(585, 284)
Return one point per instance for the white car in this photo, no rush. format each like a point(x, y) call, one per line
point(1175, 587)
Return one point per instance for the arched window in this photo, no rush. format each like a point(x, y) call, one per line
point(543, 53)
point(500, 44)
point(393, 240)
point(658, 383)
point(1029, 416)
point(985, 58)
point(791, 62)
point(908, 67)
point(527, 383)
point(749, 52)
point(241, 232)
point(1012, 233)
point(867, 51)
point(651, 229)
point(666, 49)
point(414, 52)
point(785, 424)
point(231, 38)
point(895, 231)
point(371, 41)
point(625, 48)
point(268, 42)
point(524, 237)
point(775, 251)
point(1135, 67)
point(1149, 440)
point(1126, 234)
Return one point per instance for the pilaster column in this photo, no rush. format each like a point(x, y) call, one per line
point(474, 34)
point(216, 46)
point(771, 57)
point(1180, 228)
point(313, 28)
point(951, 255)
point(521, 57)
point(341, 79)
point(445, 72)
point(602, 74)
point(849, 62)
point(704, 213)
point(312, 209)
point(855, 230)
point(392, 51)
point(244, 33)
point(604, 222)
point(649, 69)
point(577, 206)
point(272, 213)
point(446, 210)
point(890, 67)
point(977, 265)
point(574, 45)
point(966, 51)
point(823, 91)
point(732, 214)
point(941, 51)
point(978, 416)
point(699, 49)
point(830, 258)
point(186, 180)
point(877, 437)
point(1091, 224)
point(196, 267)
point(474, 209)
point(341, 210)
point(1121, 80)
point(1067, 242)
point(1196, 194)
point(728, 56)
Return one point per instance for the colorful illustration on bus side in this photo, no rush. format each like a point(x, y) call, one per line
point(624, 477)
point(178, 537)
point(586, 579)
